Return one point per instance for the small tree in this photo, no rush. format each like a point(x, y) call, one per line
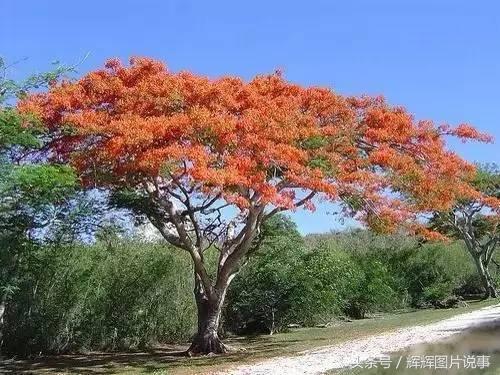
point(476, 222)
point(208, 161)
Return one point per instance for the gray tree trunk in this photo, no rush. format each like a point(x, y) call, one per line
point(491, 284)
point(207, 338)
point(486, 280)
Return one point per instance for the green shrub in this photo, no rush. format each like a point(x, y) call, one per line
point(436, 271)
point(259, 298)
point(325, 279)
point(418, 274)
point(351, 274)
point(373, 292)
point(285, 284)
point(123, 294)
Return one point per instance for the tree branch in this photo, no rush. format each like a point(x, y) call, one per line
point(298, 204)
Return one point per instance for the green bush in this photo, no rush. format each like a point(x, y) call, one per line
point(123, 294)
point(373, 292)
point(259, 298)
point(436, 271)
point(325, 279)
point(284, 283)
point(418, 274)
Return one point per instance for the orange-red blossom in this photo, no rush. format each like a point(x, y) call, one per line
point(265, 141)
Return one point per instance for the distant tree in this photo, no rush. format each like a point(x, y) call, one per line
point(208, 161)
point(476, 222)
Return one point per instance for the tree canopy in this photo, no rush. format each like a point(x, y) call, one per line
point(266, 141)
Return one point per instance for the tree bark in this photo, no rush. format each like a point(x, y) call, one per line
point(491, 284)
point(489, 289)
point(207, 338)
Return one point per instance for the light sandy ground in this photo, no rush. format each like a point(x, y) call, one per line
point(349, 353)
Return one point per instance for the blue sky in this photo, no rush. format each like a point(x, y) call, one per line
point(440, 59)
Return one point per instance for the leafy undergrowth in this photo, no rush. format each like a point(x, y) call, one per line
point(169, 359)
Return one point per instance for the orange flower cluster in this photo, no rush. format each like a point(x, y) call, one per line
point(266, 141)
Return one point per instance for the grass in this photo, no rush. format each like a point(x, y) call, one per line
point(167, 360)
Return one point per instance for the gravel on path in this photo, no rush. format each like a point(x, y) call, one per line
point(352, 352)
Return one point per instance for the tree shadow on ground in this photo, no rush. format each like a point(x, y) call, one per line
point(165, 358)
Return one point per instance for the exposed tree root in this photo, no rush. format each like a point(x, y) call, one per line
point(207, 344)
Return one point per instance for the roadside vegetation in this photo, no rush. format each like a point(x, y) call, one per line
point(124, 293)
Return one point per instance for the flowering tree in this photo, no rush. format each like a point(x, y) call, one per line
point(207, 161)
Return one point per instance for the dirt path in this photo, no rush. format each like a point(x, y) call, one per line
point(349, 353)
